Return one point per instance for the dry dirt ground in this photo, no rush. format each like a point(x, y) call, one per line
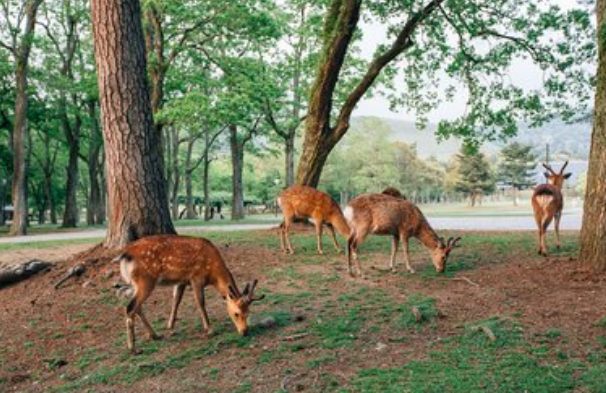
point(73, 338)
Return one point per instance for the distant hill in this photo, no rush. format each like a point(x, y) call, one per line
point(570, 140)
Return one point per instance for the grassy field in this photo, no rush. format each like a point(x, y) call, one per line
point(483, 327)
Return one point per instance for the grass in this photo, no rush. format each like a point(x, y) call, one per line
point(344, 321)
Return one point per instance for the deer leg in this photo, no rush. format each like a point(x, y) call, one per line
point(199, 296)
point(282, 240)
point(544, 226)
point(318, 225)
point(133, 308)
point(556, 225)
point(406, 256)
point(331, 229)
point(349, 251)
point(287, 224)
point(177, 296)
point(150, 330)
point(394, 249)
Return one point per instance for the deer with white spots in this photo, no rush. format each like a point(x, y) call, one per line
point(382, 214)
point(547, 204)
point(180, 261)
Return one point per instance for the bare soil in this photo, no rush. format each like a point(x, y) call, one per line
point(45, 333)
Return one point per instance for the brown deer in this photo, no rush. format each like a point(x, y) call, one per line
point(394, 192)
point(547, 204)
point(307, 202)
point(381, 214)
point(180, 261)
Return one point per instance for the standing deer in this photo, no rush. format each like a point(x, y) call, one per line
point(307, 202)
point(180, 261)
point(547, 203)
point(381, 214)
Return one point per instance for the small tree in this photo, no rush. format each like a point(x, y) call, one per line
point(516, 169)
point(474, 175)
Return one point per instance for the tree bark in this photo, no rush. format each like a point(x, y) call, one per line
point(19, 136)
point(95, 213)
point(175, 178)
point(237, 162)
point(72, 134)
point(135, 176)
point(190, 212)
point(593, 230)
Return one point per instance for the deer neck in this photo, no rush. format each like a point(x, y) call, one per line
point(427, 236)
point(338, 221)
point(222, 280)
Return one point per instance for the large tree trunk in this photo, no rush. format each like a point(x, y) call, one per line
point(237, 162)
point(135, 177)
point(19, 137)
point(593, 231)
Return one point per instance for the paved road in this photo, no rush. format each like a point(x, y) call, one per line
point(570, 221)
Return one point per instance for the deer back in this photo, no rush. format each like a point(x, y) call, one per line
point(175, 259)
point(382, 214)
point(304, 201)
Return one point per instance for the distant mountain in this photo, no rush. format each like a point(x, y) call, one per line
point(568, 140)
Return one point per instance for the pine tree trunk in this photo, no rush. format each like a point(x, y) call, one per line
point(135, 177)
point(290, 159)
point(237, 162)
point(593, 231)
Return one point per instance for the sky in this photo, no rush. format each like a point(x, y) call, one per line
point(523, 72)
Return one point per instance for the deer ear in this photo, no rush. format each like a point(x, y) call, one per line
point(566, 176)
point(546, 174)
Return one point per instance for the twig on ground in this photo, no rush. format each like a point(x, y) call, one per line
point(417, 314)
point(295, 337)
point(467, 280)
point(489, 333)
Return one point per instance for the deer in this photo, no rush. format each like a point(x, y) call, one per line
point(547, 204)
point(394, 192)
point(382, 214)
point(307, 202)
point(180, 261)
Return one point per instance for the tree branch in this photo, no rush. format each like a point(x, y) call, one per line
point(402, 42)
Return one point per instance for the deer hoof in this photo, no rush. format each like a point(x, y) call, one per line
point(209, 333)
point(155, 337)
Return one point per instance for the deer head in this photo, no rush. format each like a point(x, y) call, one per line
point(439, 255)
point(554, 178)
point(238, 305)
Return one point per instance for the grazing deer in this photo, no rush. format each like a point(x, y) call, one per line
point(385, 215)
point(180, 261)
point(547, 203)
point(307, 202)
point(394, 192)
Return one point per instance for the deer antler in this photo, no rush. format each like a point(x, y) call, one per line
point(549, 169)
point(563, 167)
point(250, 294)
point(453, 242)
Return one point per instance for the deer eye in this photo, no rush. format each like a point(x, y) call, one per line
point(237, 315)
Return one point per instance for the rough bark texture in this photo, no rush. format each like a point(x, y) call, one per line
point(135, 179)
point(19, 137)
point(72, 134)
point(237, 162)
point(593, 231)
